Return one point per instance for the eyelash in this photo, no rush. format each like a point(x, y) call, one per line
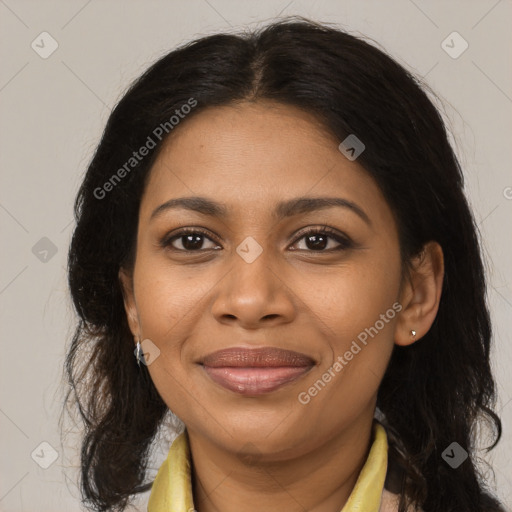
point(344, 241)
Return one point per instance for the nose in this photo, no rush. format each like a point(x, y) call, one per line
point(254, 294)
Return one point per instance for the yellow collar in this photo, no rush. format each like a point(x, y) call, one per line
point(172, 488)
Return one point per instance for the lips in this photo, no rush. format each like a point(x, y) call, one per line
point(256, 358)
point(255, 371)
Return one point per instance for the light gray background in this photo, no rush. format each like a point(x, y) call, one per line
point(53, 113)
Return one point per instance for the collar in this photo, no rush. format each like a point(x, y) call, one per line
point(172, 488)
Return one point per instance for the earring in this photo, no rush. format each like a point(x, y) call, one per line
point(138, 352)
point(413, 333)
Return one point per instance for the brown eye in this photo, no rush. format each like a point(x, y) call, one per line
point(191, 240)
point(317, 240)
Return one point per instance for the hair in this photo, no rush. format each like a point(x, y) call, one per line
point(435, 392)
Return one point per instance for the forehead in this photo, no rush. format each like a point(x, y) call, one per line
point(251, 154)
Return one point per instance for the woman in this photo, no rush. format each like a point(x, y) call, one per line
point(274, 223)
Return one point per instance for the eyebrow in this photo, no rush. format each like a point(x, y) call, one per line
point(283, 209)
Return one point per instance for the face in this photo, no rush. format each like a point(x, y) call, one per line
point(261, 273)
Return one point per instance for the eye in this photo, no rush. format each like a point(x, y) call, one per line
point(190, 239)
point(317, 239)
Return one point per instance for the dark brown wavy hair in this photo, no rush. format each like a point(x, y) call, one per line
point(434, 392)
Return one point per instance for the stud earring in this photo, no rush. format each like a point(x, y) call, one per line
point(413, 333)
point(138, 352)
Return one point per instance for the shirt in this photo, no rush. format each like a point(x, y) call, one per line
point(172, 488)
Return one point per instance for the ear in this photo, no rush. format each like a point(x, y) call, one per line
point(126, 281)
point(420, 295)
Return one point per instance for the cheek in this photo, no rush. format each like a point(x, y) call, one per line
point(169, 306)
point(352, 297)
point(163, 303)
point(356, 308)
point(168, 299)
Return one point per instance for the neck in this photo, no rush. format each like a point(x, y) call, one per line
point(319, 480)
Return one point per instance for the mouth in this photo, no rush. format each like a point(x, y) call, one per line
point(255, 371)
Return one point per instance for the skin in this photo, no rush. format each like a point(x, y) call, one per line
point(249, 156)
